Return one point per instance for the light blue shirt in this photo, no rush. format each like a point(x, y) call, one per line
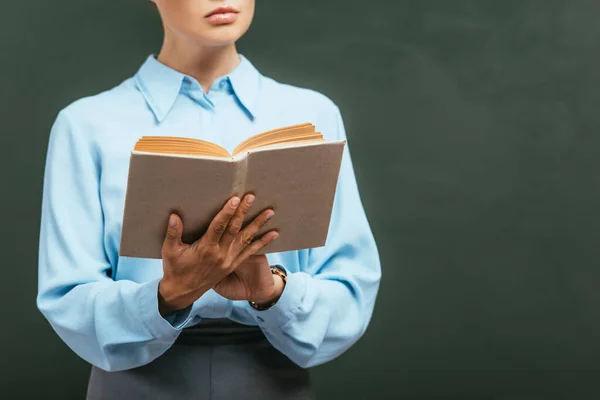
point(104, 306)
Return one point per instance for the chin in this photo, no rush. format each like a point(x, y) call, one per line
point(222, 35)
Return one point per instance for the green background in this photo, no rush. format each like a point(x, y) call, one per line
point(474, 132)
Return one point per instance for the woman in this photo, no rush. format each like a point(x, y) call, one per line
point(211, 319)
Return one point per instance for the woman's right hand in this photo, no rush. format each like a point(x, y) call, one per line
point(190, 270)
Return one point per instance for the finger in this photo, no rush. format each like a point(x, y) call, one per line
point(174, 232)
point(255, 247)
point(236, 222)
point(246, 236)
point(219, 223)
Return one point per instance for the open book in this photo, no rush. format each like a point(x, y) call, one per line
point(293, 170)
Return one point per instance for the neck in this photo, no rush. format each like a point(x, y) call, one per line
point(205, 63)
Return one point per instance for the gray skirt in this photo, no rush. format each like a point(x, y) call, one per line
point(217, 360)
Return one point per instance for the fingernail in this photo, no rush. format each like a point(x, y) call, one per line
point(250, 200)
point(276, 236)
point(235, 202)
point(172, 221)
point(270, 215)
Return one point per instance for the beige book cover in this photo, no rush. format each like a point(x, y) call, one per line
point(292, 170)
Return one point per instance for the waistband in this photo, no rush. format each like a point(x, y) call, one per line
point(219, 331)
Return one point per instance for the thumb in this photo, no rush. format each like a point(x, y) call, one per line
point(174, 232)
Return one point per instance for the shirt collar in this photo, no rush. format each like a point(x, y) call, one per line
point(245, 80)
point(160, 85)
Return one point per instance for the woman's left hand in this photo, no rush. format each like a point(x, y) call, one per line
point(252, 281)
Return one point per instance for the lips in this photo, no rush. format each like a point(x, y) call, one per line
point(223, 15)
point(222, 10)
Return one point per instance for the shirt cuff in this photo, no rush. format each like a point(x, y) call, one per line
point(287, 305)
point(161, 328)
point(178, 319)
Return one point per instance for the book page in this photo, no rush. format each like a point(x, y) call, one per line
point(179, 145)
point(300, 132)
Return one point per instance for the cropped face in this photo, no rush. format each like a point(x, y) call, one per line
point(209, 22)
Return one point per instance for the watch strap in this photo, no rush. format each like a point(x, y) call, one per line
point(275, 270)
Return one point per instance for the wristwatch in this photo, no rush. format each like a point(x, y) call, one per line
point(276, 270)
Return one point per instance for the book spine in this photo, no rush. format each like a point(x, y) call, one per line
point(239, 179)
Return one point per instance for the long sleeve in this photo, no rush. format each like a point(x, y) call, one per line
point(326, 308)
point(114, 325)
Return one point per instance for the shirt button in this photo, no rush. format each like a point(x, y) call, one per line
point(222, 84)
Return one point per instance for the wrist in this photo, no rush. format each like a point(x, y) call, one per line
point(167, 300)
point(172, 299)
point(279, 282)
point(278, 286)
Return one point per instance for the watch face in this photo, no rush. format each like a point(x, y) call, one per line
point(276, 269)
point(280, 268)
